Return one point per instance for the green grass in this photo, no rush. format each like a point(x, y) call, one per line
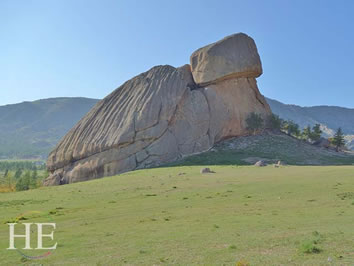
point(293, 215)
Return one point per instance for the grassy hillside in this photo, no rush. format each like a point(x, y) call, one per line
point(32, 129)
point(293, 215)
point(269, 147)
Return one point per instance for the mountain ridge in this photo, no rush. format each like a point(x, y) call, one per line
point(32, 129)
point(330, 117)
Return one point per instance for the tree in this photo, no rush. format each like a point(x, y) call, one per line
point(8, 178)
point(285, 126)
point(316, 132)
point(18, 173)
point(254, 122)
point(6, 173)
point(338, 139)
point(24, 182)
point(307, 133)
point(33, 179)
point(274, 122)
point(291, 128)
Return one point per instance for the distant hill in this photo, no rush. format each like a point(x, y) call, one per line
point(330, 117)
point(32, 129)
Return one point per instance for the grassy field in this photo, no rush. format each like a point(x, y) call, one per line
point(292, 215)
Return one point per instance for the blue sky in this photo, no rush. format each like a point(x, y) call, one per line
point(88, 48)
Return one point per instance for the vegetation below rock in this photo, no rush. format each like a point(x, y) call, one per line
point(270, 147)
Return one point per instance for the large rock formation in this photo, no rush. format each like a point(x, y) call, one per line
point(162, 115)
point(235, 56)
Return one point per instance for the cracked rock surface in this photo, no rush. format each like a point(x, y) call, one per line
point(156, 117)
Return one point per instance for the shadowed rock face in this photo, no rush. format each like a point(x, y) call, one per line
point(156, 117)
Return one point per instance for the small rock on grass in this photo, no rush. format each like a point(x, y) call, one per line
point(260, 163)
point(206, 171)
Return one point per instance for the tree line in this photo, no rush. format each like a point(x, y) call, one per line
point(21, 175)
point(256, 123)
point(25, 165)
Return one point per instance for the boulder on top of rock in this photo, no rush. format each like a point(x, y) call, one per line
point(234, 56)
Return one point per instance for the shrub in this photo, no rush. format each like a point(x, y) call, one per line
point(242, 263)
point(309, 247)
point(274, 122)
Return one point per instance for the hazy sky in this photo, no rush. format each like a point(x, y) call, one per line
point(51, 48)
